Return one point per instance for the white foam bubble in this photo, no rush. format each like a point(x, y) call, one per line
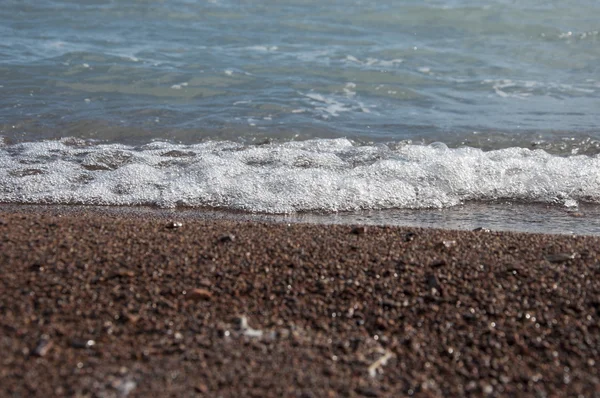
point(263, 48)
point(349, 89)
point(327, 105)
point(522, 89)
point(374, 61)
point(332, 105)
point(315, 175)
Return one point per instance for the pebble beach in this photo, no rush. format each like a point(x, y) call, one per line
point(104, 305)
point(299, 198)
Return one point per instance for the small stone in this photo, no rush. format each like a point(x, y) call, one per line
point(504, 379)
point(359, 230)
point(43, 347)
point(226, 238)
point(432, 282)
point(437, 263)
point(470, 386)
point(516, 270)
point(173, 225)
point(487, 389)
point(124, 386)
point(409, 236)
point(381, 323)
point(448, 243)
point(36, 268)
point(366, 392)
point(481, 229)
point(82, 343)
point(205, 282)
point(391, 304)
point(560, 257)
point(201, 388)
point(242, 325)
point(121, 273)
point(199, 295)
point(130, 318)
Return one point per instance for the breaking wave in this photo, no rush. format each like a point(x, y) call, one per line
point(320, 175)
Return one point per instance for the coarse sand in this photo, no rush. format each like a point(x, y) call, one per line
point(111, 306)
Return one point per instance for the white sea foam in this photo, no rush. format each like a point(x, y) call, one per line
point(263, 48)
point(327, 105)
point(374, 61)
point(527, 88)
point(316, 175)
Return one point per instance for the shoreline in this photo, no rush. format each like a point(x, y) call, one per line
point(120, 305)
point(494, 216)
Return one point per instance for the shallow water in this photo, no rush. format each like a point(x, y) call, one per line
point(210, 103)
point(480, 217)
point(190, 70)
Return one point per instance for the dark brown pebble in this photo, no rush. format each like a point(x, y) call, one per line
point(366, 392)
point(359, 230)
point(121, 273)
point(432, 282)
point(130, 318)
point(437, 263)
point(226, 238)
point(173, 225)
point(409, 236)
point(36, 268)
point(82, 343)
point(560, 257)
point(468, 316)
point(391, 304)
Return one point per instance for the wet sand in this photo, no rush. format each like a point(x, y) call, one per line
point(105, 305)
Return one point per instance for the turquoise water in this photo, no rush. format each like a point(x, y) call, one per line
point(299, 105)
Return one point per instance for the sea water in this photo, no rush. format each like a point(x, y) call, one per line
point(304, 107)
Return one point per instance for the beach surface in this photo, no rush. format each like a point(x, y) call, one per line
point(107, 305)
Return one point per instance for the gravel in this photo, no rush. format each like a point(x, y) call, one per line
point(103, 306)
